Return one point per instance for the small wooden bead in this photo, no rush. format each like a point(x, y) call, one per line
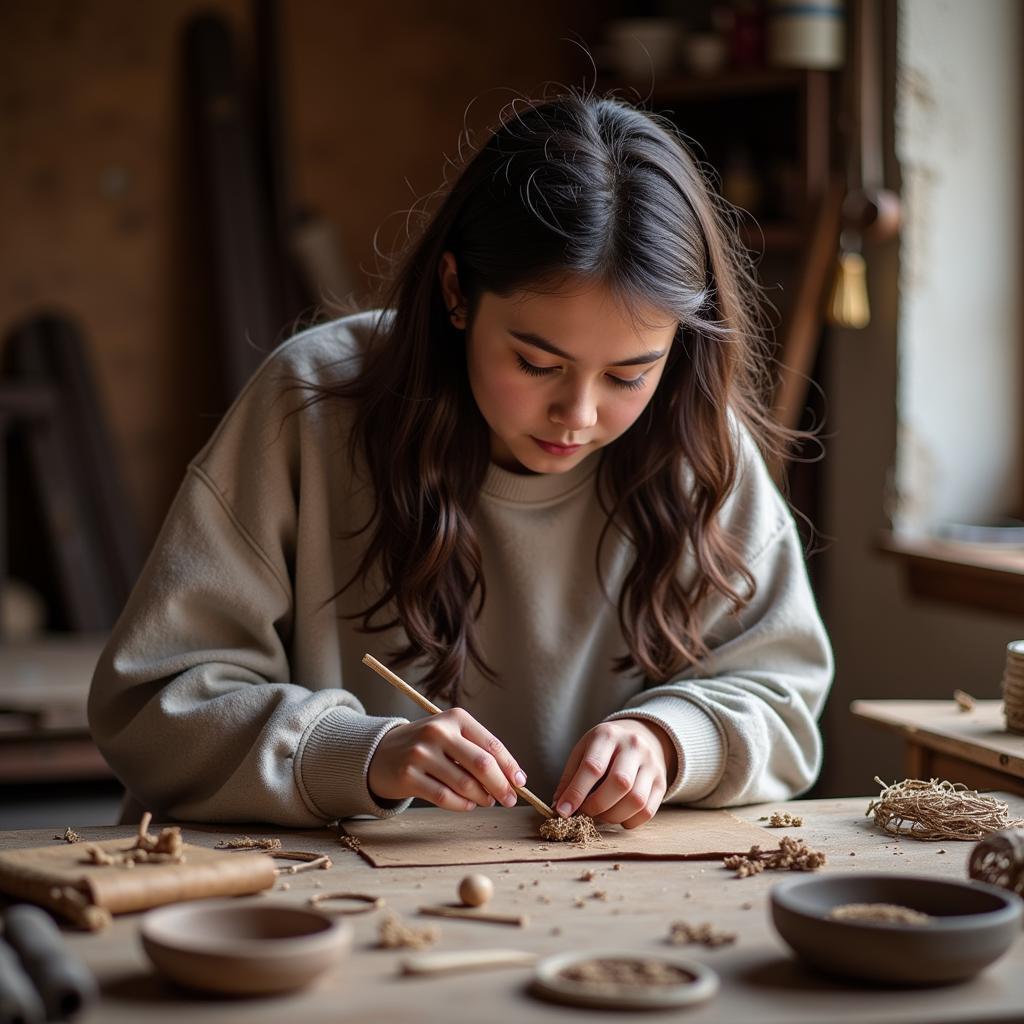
point(475, 890)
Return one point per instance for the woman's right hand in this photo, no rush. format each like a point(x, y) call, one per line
point(449, 760)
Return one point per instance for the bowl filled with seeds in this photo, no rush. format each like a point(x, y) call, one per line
point(896, 929)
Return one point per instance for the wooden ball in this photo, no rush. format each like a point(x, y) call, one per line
point(475, 890)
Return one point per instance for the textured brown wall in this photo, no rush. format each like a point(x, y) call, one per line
point(97, 194)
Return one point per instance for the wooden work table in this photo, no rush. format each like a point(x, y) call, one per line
point(944, 742)
point(761, 982)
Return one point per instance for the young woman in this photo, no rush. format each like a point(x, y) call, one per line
point(533, 483)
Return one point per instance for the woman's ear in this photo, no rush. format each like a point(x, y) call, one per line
point(454, 300)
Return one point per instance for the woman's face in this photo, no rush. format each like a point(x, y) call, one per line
point(558, 376)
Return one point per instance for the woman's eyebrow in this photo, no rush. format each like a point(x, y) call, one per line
point(541, 343)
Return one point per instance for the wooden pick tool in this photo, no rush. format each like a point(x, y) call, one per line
point(400, 684)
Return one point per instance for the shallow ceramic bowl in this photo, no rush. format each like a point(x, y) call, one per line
point(974, 924)
point(243, 948)
point(549, 982)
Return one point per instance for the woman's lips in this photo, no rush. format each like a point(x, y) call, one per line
point(556, 449)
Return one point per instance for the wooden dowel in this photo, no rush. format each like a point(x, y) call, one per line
point(400, 684)
point(450, 961)
point(469, 914)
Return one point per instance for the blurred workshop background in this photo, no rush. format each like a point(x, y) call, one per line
point(184, 184)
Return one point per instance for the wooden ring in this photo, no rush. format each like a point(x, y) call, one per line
point(375, 902)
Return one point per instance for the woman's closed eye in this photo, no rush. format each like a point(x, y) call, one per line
point(542, 371)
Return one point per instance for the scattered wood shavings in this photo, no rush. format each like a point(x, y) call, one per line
point(396, 934)
point(792, 855)
point(616, 867)
point(579, 901)
point(284, 886)
point(578, 828)
point(587, 876)
point(879, 913)
point(964, 701)
point(782, 819)
point(249, 843)
point(682, 933)
point(599, 894)
point(70, 836)
point(350, 842)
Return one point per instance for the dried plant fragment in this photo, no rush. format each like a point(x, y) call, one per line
point(782, 819)
point(396, 934)
point(249, 843)
point(792, 855)
point(166, 848)
point(682, 933)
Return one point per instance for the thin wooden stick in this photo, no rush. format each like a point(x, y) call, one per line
point(468, 914)
point(450, 961)
point(400, 684)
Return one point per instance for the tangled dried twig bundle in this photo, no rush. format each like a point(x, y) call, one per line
point(792, 855)
point(938, 810)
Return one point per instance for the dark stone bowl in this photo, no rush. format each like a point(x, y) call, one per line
point(974, 924)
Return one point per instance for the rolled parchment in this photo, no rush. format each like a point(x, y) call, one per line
point(65, 984)
point(19, 1000)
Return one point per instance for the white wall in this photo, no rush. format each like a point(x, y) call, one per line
point(956, 351)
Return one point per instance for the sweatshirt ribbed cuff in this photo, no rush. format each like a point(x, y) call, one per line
point(700, 750)
point(332, 761)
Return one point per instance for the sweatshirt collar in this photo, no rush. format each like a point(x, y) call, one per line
point(528, 488)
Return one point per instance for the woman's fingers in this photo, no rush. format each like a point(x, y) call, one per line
point(487, 758)
point(593, 763)
point(427, 787)
point(434, 762)
point(624, 773)
point(650, 808)
point(630, 802)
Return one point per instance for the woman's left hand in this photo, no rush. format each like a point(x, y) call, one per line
point(634, 758)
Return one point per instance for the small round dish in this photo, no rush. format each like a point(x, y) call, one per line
point(242, 948)
point(554, 980)
point(973, 924)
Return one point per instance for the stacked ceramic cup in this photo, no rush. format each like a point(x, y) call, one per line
point(1013, 687)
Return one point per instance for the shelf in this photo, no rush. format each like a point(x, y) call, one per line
point(728, 83)
point(975, 575)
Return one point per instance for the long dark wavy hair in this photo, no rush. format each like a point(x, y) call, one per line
point(571, 186)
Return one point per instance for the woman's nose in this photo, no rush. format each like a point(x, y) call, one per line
point(575, 411)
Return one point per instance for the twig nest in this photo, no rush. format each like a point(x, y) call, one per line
point(475, 890)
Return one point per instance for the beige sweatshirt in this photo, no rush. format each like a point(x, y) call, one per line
point(229, 692)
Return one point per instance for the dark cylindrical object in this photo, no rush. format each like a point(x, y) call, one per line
point(65, 984)
point(19, 1001)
